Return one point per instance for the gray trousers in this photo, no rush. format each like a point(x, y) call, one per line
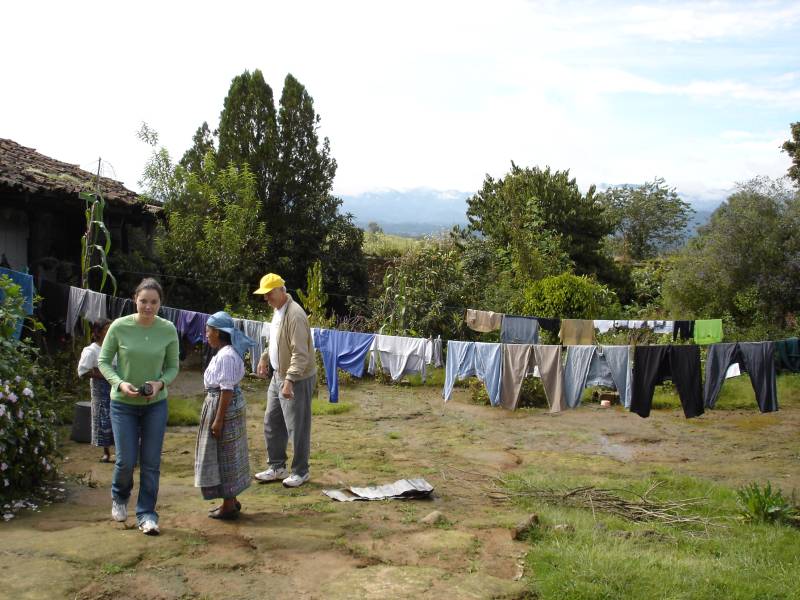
point(289, 418)
point(756, 358)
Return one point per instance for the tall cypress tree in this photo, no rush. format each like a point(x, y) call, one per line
point(248, 131)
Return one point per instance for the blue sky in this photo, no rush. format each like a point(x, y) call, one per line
point(424, 94)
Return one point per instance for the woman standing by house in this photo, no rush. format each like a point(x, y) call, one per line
point(221, 462)
point(102, 435)
point(146, 348)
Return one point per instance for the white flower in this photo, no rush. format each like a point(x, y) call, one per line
point(17, 378)
point(27, 392)
point(3, 466)
point(7, 482)
point(12, 396)
point(36, 450)
point(20, 413)
point(2, 410)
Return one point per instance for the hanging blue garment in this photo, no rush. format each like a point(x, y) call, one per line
point(25, 282)
point(519, 330)
point(587, 366)
point(483, 360)
point(345, 350)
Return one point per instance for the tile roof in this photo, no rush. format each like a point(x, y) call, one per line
point(26, 170)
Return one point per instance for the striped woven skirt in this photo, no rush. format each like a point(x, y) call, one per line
point(222, 466)
point(102, 434)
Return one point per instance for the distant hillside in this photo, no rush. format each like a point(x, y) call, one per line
point(425, 211)
point(411, 213)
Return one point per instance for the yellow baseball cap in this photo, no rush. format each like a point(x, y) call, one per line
point(269, 282)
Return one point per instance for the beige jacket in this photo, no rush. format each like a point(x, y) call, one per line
point(295, 346)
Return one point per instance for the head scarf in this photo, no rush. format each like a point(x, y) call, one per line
point(224, 322)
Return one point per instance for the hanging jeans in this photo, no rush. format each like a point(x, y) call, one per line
point(483, 360)
point(609, 366)
point(757, 358)
point(653, 364)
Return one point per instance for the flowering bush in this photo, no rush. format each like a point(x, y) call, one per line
point(27, 423)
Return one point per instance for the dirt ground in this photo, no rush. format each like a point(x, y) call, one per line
point(299, 543)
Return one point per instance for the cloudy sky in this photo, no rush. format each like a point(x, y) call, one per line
point(422, 94)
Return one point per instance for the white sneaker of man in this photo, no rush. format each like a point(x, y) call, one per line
point(295, 480)
point(149, 527)
point(119, 511)
point(272, 474)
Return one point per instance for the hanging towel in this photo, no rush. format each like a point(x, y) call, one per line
point(662, 326)
point(346, 350)
point(708, 331)
point(576, 332)
point(519, 330)
point(756, 358)
point(465, 359)
point(171, 315)
point(94, 306)
point(483, 320)
point(398, 355)
point(653, 364)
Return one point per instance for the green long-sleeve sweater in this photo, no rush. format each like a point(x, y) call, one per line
point(143, 354)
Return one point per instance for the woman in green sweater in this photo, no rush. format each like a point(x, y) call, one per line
point(146, 347)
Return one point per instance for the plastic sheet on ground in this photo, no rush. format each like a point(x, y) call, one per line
point(402, 489)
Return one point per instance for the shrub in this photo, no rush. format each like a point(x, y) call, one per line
point(27, 421)
point(766, 505)
point(570, 296)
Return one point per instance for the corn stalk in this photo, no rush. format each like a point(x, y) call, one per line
point(92, 247)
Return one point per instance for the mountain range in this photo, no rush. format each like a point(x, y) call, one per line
point(423, 211)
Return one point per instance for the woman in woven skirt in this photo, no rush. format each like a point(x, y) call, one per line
point(102, 435)
point(221, 464)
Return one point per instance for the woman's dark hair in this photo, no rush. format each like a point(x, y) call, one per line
point(148, 283)
point(98, 326)
point(224, 337)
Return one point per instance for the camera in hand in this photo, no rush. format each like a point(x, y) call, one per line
point(146, 390)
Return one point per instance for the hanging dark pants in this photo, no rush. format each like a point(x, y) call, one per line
point(757, 358)
point(653, 364)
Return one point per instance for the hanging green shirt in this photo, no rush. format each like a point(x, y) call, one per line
point(143, 354)
point(708, 331)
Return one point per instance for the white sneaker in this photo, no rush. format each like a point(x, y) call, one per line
point(295, 480)
point(119, 511)
point(272, 474)
point(149, 527)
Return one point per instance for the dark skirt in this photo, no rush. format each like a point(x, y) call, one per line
point(222, 467)
point(102, 434)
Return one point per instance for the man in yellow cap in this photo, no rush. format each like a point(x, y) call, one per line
point(289, 359)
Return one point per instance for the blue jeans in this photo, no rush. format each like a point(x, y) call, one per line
point(138, 428)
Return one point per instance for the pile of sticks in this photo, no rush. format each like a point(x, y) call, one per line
point(624, 503)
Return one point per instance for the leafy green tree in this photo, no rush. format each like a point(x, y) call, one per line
point(193, 159)
point(211, 242)
point(543, 221)
point(792, 148)
point(648, 218)
point(294, 173)
point(745, 262)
